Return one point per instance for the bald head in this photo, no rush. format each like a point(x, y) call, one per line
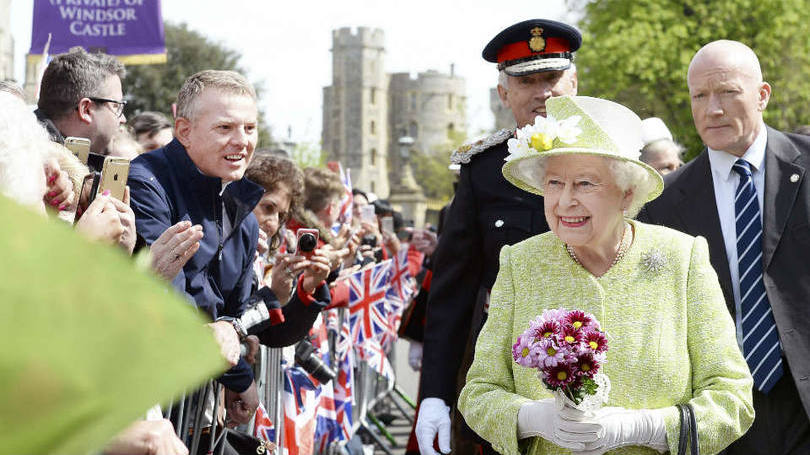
point(727, 54)
point(728, 95)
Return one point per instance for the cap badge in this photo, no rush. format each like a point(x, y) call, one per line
point(536, 42)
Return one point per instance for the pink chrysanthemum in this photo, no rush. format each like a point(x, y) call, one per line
point(554, 315)
point(549, 353)
point(586, 365)
point(525, 351)
point(560, 375)
point(595, 341)
point(579, 320)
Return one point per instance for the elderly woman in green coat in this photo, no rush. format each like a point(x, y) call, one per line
point(671, 338)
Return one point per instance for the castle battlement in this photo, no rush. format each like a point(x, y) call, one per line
point(358, 37)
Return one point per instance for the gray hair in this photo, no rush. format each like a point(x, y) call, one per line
point(627, 175)
point(22, 142)
point(661, 146)
point(73, 76)
point(229, 82)
point(14, 89)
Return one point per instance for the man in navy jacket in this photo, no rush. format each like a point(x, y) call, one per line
point(198, 178)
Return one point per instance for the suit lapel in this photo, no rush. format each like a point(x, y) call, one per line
point(698, 211)
point(780, 191)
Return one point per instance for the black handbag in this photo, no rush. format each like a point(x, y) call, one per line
point(230, 442)
point(688, 433)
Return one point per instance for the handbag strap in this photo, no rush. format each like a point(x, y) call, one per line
point(684, 431)
point(693, 429)
point(688, 432)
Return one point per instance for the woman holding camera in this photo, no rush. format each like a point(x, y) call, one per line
point(295, 281)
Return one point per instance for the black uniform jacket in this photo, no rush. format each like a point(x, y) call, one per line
point(487, 212)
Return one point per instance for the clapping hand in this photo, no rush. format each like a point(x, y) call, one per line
point(173, 249)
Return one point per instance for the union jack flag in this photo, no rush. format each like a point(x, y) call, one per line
point(374, 353)
point(327, 428)
point(399, 294)
point(344, 396)
point(368, 307)
point(345, 213)
point(263, 427)
point(300, 407)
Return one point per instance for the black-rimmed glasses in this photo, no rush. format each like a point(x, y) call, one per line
point(118, 106)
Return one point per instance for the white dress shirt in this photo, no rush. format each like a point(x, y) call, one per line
point(725, 181)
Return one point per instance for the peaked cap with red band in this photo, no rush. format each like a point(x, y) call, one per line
point(533, 46)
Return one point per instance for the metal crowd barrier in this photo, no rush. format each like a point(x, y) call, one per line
point(191, 419)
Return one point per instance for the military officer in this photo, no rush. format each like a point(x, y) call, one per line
point(535, 61)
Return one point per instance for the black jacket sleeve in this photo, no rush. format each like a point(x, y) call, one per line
point(299, 314)
point(457, 268)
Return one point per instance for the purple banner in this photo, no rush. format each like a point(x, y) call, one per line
point(116, 27)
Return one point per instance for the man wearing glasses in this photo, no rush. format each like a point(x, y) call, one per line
point(80, 95)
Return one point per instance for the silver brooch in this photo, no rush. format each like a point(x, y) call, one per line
point(654, 261)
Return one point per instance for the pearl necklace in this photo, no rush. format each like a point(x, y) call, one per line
point(627, 240)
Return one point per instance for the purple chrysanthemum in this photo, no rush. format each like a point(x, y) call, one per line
point(525, 352)
point(579, 320)
point(586, 365)
point(571, 337)
point(595, 341)
point(546, 330)
point(549, 353)
point(560, 375)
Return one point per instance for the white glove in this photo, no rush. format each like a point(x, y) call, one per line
point(566, 427)
point(415, 355)
point(626, 427)
point(434, 417)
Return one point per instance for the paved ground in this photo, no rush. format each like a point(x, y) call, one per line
point(408, 381)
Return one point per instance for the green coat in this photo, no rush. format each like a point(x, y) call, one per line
point(670, 338)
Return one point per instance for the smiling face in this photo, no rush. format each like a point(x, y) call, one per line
point(728, 96)
point(272, 208)
point(526, 95)
point(583, 205)
point(222, 135)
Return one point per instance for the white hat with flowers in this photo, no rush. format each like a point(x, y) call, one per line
point(576, 125)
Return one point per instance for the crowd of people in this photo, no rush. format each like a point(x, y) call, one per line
point(220, 240)
point(696, 272)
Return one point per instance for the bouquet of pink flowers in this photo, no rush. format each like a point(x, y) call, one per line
point(567, 348)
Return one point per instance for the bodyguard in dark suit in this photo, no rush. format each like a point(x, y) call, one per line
point(748, 195)
point(535, 62)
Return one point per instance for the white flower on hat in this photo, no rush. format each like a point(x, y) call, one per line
point(539, 137)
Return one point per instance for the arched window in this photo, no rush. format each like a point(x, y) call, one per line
point(373, 127)
point(373, 95)
point(413, 130)
point(373, 157)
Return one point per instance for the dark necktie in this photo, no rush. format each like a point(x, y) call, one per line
point(760, 338)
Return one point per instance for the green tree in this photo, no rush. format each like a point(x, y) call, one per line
point(155, 87)
point(308, 154)
point(637, 53)
point(430, 168)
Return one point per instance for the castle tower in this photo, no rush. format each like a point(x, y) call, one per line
point(355, 129)
point(430, 109)
point(6, 42)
